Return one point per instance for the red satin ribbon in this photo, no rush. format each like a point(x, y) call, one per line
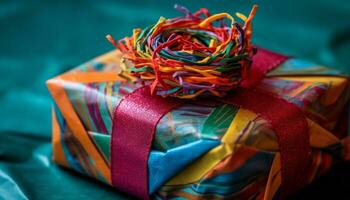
point(263, 62)
point(138, 114)
point(134, 123)
point(291, 128)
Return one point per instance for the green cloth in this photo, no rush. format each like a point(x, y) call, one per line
point(39, 40)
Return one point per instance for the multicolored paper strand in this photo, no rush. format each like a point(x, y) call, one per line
point(190, 55)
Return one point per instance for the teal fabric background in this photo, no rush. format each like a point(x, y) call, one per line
point(40, 39)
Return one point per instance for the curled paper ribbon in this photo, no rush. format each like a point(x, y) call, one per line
point(190, 55)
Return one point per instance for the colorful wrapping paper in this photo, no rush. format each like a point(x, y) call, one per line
point(200, 151)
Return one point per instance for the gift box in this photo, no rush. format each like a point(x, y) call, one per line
point(202, 148)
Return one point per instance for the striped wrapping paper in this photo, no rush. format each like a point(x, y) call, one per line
point(200, 151)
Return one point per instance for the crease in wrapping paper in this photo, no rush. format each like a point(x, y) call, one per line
point(62, 101)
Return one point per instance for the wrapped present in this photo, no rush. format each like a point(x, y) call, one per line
point(197, 112)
